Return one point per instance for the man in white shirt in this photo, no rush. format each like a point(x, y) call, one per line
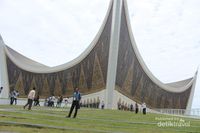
point(66, 101)
point(16, 94)
point(31, 97)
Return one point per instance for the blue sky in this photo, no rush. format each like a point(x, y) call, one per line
point(53, 32)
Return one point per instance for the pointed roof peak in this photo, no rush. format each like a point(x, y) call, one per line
point(197, 70)
point(1, 37)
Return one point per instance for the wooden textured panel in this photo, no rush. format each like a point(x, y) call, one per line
point(143, 89)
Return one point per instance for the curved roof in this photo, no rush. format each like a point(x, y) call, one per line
point(168, 87)
point(20, 59)
point(181, 83)
point(33, 66)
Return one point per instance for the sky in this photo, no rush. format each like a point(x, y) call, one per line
point(54, 32)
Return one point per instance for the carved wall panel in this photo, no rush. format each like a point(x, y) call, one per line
point(139, 86)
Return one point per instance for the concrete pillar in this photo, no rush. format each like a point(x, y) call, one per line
point(3, 71)
point(190, 100)
point(113, 53)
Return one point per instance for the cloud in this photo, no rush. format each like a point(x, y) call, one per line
point(56, 31)
point(49, 27)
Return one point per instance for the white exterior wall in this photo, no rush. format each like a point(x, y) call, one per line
point(190, 100)
point(99, 94)
point(116, 96)
point(123, 98)
point(3, 71)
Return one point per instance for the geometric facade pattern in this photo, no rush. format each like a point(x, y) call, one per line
point(135, 83)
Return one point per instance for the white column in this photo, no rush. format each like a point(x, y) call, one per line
point(3, 71)
point(190, 100)
point(113, 53)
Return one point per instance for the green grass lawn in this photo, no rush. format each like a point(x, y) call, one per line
point(52, 120)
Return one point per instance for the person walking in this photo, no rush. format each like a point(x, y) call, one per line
point(59, 101)
point(75, 103)
point(102, 105)
point(31, 97)
point(15, 96)
point(136, 108)
point(37, 100)
point(66, 101)
point(144, 108)
point(131, 107)
point(1, 89)
point(11, 97)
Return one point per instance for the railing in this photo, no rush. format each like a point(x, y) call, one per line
point(184, 112)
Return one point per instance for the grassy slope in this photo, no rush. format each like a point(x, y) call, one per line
point(87, 121)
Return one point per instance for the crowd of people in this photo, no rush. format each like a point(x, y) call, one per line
point(90, 105)
point(52, 101)
point(132, 107)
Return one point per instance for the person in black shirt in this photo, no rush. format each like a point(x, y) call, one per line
point(11, 97)
point(1, 89)
point(37, 100)
point(136, 108)
point(75, 103)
